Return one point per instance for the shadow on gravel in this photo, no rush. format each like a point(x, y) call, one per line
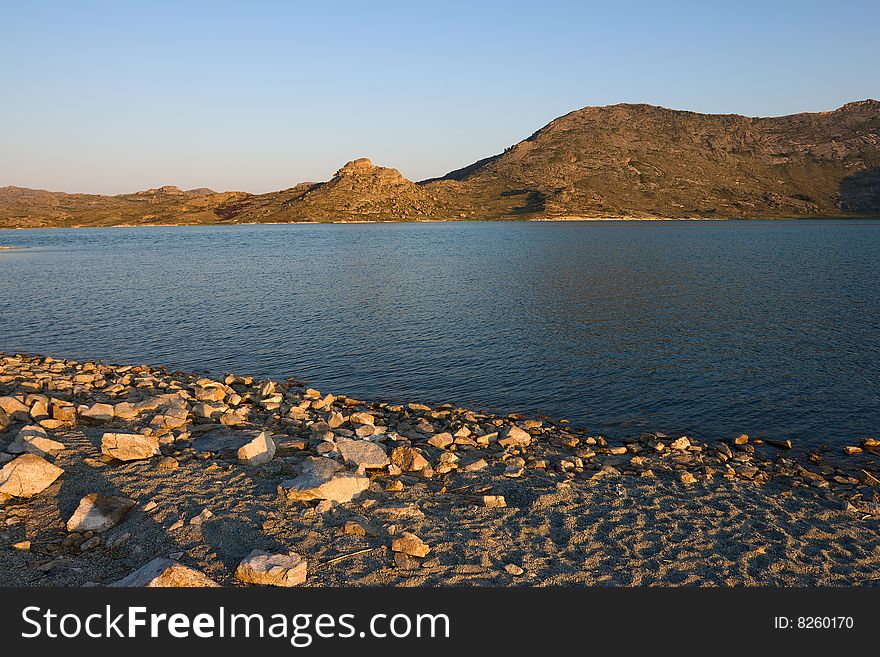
point(232, 540)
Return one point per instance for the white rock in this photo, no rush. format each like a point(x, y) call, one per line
point(15, 409)
point(97, 413)
point(98, 513)
point(27, 476)
point(272, 569)
point(322, 480)
point(129, 446)
point(34, 440)
point(515, 437)
point(260, 450)
point(362, 453)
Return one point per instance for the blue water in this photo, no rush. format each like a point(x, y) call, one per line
point(712, 328)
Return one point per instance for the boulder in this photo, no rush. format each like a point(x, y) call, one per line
point(321, 479)
point(165, 573)
point(260, 450)
point(34, 440)
point(98, 513)
point(515, 437)
point(272, 569)
point(97, 414)
point(27, 476)
point(362, 453)
point(15, 409)
point(129, 446)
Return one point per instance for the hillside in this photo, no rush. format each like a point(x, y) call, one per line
point(615, 161)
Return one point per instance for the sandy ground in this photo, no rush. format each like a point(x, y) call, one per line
point(620, 531)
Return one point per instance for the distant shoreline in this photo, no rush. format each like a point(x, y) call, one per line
point(557, 219)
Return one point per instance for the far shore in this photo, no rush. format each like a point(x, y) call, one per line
point(534, 219)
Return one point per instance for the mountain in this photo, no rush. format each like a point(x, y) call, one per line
point(639, 159)
point(614, 161)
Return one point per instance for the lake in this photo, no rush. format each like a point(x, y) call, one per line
point(707, 327)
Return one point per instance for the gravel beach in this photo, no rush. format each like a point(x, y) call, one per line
point(138, 475)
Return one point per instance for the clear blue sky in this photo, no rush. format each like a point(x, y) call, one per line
point(112, 97)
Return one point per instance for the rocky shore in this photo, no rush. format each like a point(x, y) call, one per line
point(140, 476)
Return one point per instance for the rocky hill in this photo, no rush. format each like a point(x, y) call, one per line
point(615, 161)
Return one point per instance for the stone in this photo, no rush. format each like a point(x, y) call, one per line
point(741, 439)
point(686, 478)
point(335, 420)
point(366, 430)
point(200, 519)
point(129, 446)
point(64, 414)
point(408, 459)
point(209, 393)
point(259, 451)
point(123, 411)
point(406, 562)
point(475, 465)
point(492, 501)
point(97, 414)
point(513, 471)
point(23, 546)
point(40, 410)
point(680, 443)
point(353, 528)
point(272, 569)
point(513, 569)
point(15, 409)
point(410, 544)
point(361, 418)
point(168, 463)
point(27, 476)
point(850, 450)
point(321, 479)
point(362, 453)
point(34, 440)
point(98, 513)
point(165, 573)
point(441, 440)
point(513, 436)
